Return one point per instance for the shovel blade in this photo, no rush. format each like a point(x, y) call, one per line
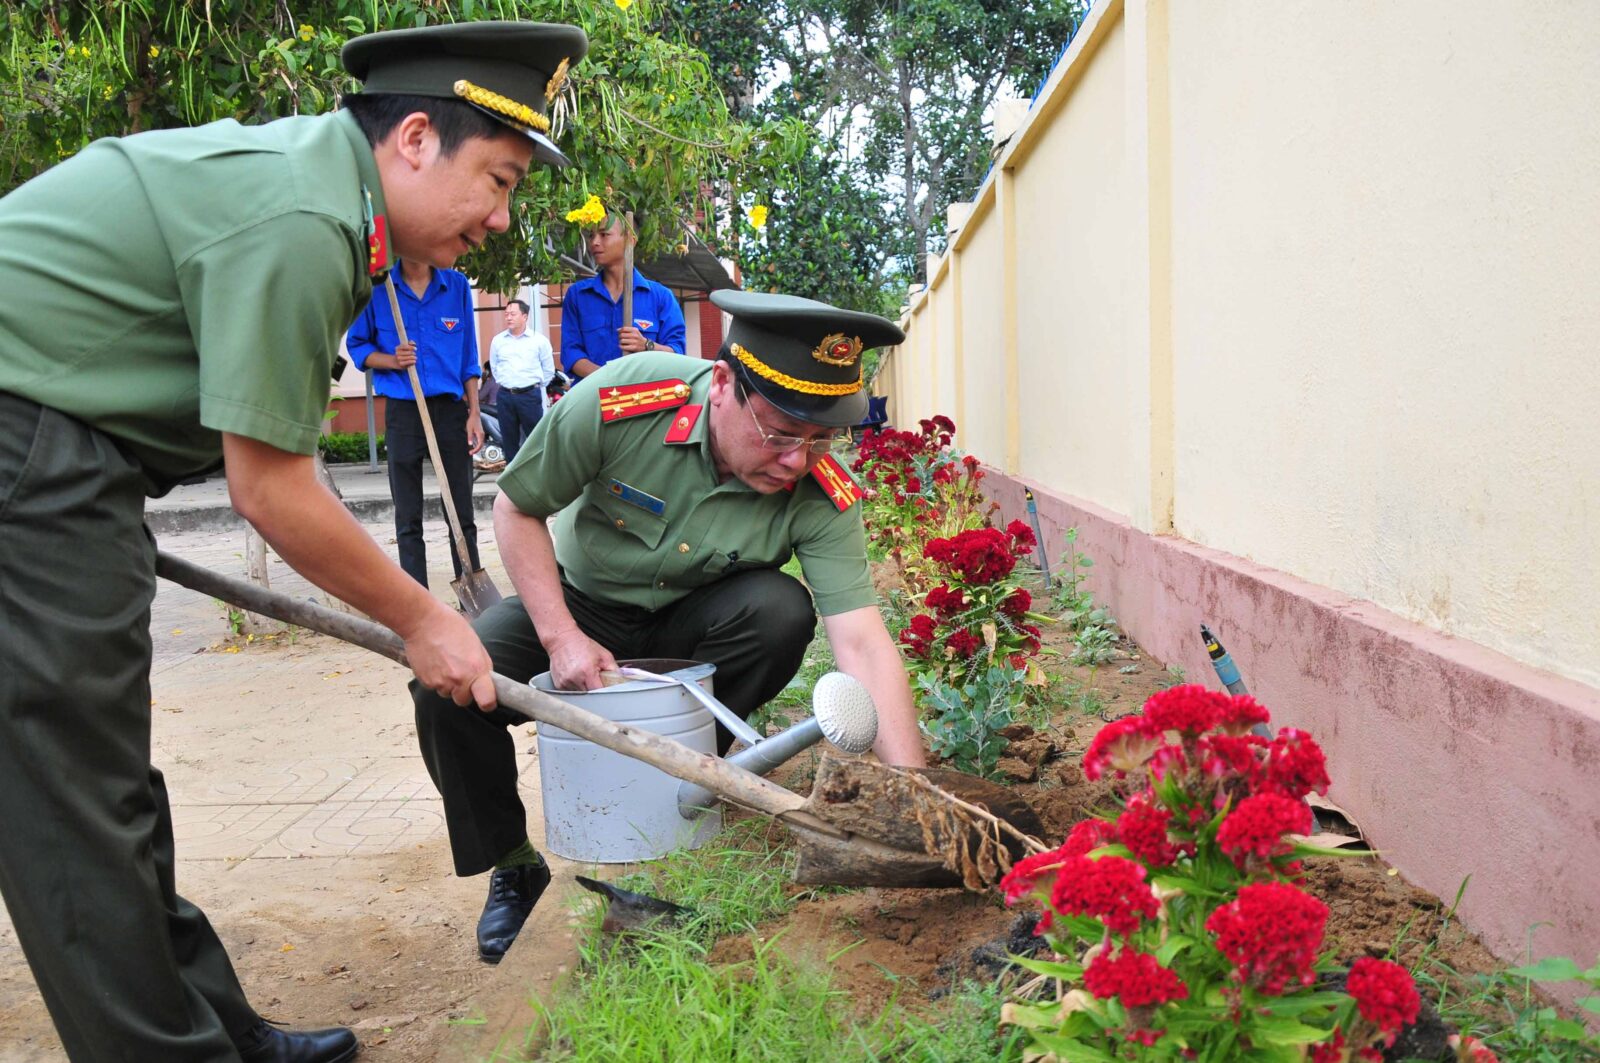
point(476, 592)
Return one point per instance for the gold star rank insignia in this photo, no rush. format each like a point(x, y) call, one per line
point(836, 483)
point(632, 400)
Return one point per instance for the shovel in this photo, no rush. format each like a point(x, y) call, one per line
point(864, 824)
point(474, 589)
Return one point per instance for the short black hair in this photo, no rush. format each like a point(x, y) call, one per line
point(526, 309)
point(456, 121)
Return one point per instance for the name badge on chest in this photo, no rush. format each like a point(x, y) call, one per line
point(635, 497)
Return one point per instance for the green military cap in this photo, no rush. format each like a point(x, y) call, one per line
point(511, 71)
point(803, 356)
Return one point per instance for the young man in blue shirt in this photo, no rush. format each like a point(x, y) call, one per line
point(442, 342)
point(592, 330)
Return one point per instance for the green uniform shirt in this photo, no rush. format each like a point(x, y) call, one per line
point(644, 522)
point(174, 285)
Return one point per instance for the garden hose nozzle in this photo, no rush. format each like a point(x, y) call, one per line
point(1227, 671)
point(1038, 534)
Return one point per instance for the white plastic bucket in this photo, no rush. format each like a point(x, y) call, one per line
point(602, 807)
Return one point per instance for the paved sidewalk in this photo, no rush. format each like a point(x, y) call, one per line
point(305, 821)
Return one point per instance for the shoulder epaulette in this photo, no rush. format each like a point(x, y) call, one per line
point(631, 400)
point(837, 484)
point(683, 424)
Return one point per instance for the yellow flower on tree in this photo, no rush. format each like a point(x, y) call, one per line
point(593, 212)
point(306, 32)
point(623, 4)
point(757, 215)
point(154, 51)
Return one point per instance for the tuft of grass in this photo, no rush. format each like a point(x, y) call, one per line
point(966, 1030)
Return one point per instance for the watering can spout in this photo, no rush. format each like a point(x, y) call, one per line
point(843, 713)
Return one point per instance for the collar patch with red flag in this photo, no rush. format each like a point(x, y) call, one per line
point(622, 401)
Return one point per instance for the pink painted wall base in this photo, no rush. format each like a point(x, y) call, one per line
point(1455, 760)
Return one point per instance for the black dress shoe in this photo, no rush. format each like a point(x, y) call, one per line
point(513, 891)
point(265, 1043)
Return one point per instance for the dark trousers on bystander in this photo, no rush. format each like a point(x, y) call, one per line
point(408, 448)
point(519, 412)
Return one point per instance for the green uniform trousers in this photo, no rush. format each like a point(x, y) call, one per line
point(129, 970)
point(754, 627)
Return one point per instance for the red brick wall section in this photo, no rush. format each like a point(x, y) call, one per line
point(710, 330)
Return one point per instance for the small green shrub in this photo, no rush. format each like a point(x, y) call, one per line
point(342, 447)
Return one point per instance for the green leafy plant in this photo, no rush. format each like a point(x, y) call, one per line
point(1503, 1013)
point(1181, 927)
point(1072, 601)
point(1093, 646)
point(968, 713)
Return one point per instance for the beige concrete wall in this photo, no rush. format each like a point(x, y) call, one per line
point(1405, 211)
point(1317, 290)
point(1077, 404)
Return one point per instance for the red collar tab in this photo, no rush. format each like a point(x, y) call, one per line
point(378, 246)
point(836, 483)
point(632, 400)
point(683, 424)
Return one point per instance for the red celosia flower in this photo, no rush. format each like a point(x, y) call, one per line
point(1021, 536)
point(944, 601)
point(981, 555)
point(1295, 765)
point(964, 644)
point(1123, 745)
point(944, 474)
point(1224, 756)
point(943, 423)
point(913, 485)
point(969, 461)
point(1085, 837)
point(1142, 827)
point(1137, 979)
point(1111, 889)
point(1240, 714)
point(1258, 825)
point(1385, 995)
point(1329, 1051)
point(918, 635)
point(1271, 932)
point(1470, 1050)
point(1189, 709)
point(1168, 760)
point(1017, 602)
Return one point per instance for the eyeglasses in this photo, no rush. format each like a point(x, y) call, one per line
point(790, 444)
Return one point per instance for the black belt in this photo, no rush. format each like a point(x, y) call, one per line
point(519, 391)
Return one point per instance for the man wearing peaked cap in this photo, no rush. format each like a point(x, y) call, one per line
point(174, 299)
point(681, 487)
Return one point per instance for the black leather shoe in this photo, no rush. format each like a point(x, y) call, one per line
point(513, 892)
point(265, 1043)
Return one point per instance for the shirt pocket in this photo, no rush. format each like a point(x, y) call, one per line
point(620, 537)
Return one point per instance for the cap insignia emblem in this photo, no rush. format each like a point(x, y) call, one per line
point(552, 88)
point(838, 349)
point(502, 106)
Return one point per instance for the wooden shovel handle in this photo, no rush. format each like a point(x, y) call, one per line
point(715, 774)
point(627, 271)
point(427, 430)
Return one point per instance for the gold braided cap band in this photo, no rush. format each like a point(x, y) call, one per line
point(805, 387)
point(502, 105)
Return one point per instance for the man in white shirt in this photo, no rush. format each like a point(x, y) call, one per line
point(523, 364)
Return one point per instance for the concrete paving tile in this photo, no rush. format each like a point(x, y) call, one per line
point(230, 832)
point(358, 828)
point(305, 781)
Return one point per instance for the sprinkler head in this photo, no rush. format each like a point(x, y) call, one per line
point(845, 712)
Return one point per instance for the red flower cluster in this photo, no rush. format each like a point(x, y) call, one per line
point(918, 635)
point(1258, 825)
point(1021, 536)
point(1224, 755)
point(1123, 745)
point(1385, 995)
point(1296, 765)
point(1329, 1051)
point(982, 555)
point(1135, 978)
point(1271, 933)
point(1142, 827)
point(1111, 889)
point(1470, 1049)
point(1017, 604)
point(1240, 714)
point(1086, 836)
point(946, 602)
point(1189, 709)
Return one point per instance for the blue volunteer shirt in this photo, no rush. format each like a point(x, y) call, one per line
point(439, 322)
point(590, 319)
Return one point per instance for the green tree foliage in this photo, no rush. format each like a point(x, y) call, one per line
point(641, 117)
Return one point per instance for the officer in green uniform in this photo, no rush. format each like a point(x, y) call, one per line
point(681, 487)
point(175, 299)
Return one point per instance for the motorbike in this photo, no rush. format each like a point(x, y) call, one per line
point(492, 458)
